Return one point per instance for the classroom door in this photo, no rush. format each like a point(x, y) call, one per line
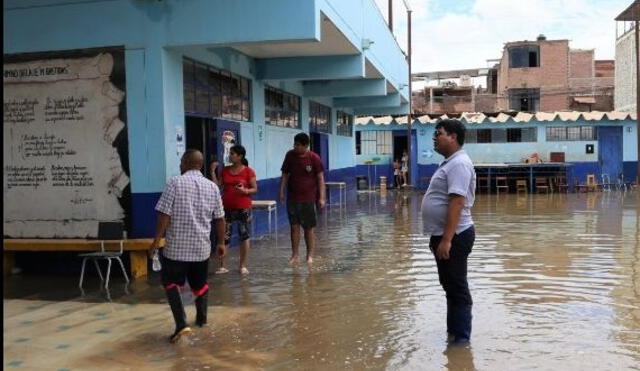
point(610, 151)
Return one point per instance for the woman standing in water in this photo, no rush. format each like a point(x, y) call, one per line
point(238, 183)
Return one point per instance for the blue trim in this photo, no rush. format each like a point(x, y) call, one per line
point(143, 214)
point(630, 170)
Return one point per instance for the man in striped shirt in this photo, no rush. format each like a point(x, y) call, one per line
point(185, 211)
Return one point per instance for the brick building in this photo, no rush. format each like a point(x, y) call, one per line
point(547, 75)
point(540, 75)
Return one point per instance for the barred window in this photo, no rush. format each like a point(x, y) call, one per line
point(556, 133)
point(471, 136)
point(498, 136)
point(509, 135)
point(374, 142)
point(588, 133)
point(571, 133)
point(214, 92)
point(319, 118)
point(281, 108)
point(345, 124)
point(484, 135)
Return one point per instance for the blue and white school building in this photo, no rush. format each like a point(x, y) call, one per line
point(103, 97)
point(599, 143)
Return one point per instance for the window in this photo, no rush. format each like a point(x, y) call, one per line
point(281, 109)
point(498, 136)
point(212, 92)
point(529, 134)
point(509, 135)
point(345, 124)
point(524, 99)
point(319, 118)
point(483, 135)
point(471, 136)
point(514, 135)
point(571, 133)
point(373, 142)
point(524, 56)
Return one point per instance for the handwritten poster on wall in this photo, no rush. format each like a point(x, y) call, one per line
point(62, 175)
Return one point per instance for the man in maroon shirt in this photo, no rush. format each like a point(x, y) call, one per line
point(303, 178)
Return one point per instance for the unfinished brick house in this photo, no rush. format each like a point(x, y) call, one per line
point(531, 76)
point(546, 75)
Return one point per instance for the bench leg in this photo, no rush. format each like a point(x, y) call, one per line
point(138, 263)
point(8, 262)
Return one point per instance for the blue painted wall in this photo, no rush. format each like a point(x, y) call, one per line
point(157, 35)
point(583, 163)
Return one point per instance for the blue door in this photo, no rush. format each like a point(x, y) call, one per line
point(610, 151)
point(320, 145)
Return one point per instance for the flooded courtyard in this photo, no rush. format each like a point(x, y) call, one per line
point(555, 281)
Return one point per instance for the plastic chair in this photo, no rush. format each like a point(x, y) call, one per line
point(561, 183)
point(521, 185)
point(482, 182)
point(501, 183)
point(542, 185)
point(105, 255)
point(591, 182)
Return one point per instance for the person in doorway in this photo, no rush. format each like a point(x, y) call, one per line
point(238, 185)
point(396, 173)
point(303, 180)
point(446, 215)
point(213, 170)
point(404, 170)
point(185, 211)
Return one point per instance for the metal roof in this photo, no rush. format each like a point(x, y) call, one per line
point(632, 13)
point(520, 117)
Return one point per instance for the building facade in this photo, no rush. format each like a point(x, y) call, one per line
point(546, 75)
point(531, 76)
point(103, 97)
point(625, 72)
point(593, 142)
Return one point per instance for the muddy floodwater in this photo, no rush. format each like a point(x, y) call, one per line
point(555, 281)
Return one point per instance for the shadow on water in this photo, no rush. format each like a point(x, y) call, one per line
point(555, 280)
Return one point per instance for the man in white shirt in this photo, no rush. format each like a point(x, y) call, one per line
point(185, 211)
point(446, 216)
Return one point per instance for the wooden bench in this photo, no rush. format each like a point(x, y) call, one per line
point(137, 248)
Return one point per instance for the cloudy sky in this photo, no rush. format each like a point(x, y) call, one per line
point(456, 34)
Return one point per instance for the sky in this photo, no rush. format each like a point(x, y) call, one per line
point(459, 34)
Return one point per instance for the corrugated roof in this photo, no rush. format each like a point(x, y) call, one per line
point(520, 117)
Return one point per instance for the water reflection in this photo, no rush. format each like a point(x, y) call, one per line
point(555, 280)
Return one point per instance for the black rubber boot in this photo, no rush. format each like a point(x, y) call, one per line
point(179, 316)
point(201, 309)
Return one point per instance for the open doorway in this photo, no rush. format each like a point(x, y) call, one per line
point(400, 146)
point(212, 137)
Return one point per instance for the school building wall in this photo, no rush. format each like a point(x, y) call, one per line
point(156, 36)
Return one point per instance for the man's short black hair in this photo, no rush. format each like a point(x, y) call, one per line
point(302, 138)
point(453, 126)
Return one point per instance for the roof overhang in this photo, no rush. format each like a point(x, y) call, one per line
point(332, 42)
point(632, 13)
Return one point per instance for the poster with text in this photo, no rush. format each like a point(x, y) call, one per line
point(62, 174)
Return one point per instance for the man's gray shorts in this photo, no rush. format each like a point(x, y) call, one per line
point(302, 213)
